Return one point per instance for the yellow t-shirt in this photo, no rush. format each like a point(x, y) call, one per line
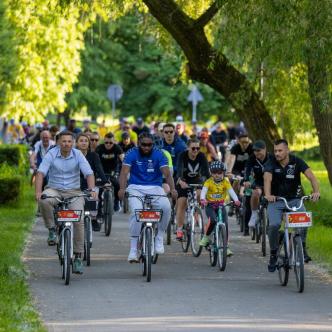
point(217, 191)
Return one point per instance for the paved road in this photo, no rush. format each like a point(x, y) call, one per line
point(185, 294)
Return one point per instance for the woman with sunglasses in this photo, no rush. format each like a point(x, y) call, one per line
point(83, 144)
point(192, 168)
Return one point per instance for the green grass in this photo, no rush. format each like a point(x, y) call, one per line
point(16, 309)
point(320, 235)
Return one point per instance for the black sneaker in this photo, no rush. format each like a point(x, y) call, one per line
point(95, 226)
point(117, 206)
point(272, 263)
point(306, 257)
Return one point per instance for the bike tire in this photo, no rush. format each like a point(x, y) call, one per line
point(108, 211)
point(185, 243)
point(258, 231)
point(253, 233)
point(197, 228)
point(148, 252)
point(87, 236)
point(213, 254)
point(299, 263)
point(283, 263)
point(264, 231)
point(66, 255)
point(221, 241)
point(125, 205)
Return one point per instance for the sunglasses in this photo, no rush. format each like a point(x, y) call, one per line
point(168, 132)
point(108, 143)
point(94, 139)
point(147, 145)
point(195, 148)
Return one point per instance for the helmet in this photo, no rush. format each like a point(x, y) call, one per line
point(217, 166)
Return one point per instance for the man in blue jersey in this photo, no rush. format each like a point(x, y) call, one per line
point(146, 166)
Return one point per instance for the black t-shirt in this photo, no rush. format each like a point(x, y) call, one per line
point(109, 158)
point(127, 147)
point(241, 157)
point(286, 181)
point(139, 130)
point(255, 166)
point(193, 171)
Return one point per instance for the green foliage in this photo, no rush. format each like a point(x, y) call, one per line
point(10, 184)
point(312, 154)
point(120, 52)
point(15, 156)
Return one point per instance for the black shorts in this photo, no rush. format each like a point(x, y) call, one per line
point(181, 192)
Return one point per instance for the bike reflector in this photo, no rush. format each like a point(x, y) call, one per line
point(299, 219)
point(148, 215)
point(69, 215)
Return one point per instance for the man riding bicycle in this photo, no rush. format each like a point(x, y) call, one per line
point(63, 164)
point(282, 177)
point(193, 168)
point(146, 166)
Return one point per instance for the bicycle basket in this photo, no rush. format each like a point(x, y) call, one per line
point(299, 219)
point(148, 215)
point(68, 216)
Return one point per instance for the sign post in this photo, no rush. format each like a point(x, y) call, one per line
point(114, 93)
point(194, 97)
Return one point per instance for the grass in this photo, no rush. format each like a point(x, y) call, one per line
point(16, 309)
point(320, 235)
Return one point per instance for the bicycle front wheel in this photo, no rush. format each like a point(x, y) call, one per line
point(221, 241)
point(108, 211)
point(66, 255)
point(213, 251)
point(298, 263)
point(87, 237)
point(283, 262)
point(169, 229)
point(197, 232)
point(185, 243)
point(148, 257)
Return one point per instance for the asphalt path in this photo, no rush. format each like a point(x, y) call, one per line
point(185, 294)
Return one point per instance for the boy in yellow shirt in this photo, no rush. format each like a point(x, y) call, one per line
point(216, 189)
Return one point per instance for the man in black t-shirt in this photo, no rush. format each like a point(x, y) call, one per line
point(111, 155)
point(282, 177)
point(192, 168)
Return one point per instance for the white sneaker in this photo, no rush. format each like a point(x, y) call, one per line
point(159, 245)
point(132, 257)
point(252, 221)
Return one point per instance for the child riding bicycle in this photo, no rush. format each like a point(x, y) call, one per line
point(214, 190)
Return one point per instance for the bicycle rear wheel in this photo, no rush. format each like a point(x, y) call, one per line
point(258, 229)
point(148, 257)
point(66, 255)
point(197, 231)
point(264, 229)
point(108, 211)
point(283, 262)
point(87, 237)
point(169, 228)
point(125, 205)
point(298, 263)
point(213, 253)
point(185, 243)
point(221, 241)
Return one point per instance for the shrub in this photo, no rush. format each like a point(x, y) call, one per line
point(10, 183)
point(15, 155)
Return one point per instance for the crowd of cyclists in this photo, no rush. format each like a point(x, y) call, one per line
point(164, 158)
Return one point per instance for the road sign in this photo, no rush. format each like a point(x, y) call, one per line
point(114, 93)
point(194, 97)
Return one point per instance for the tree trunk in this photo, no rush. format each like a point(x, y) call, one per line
point(208, 66)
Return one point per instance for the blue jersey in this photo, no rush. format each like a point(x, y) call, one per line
point(145, 170)
point(175, 149)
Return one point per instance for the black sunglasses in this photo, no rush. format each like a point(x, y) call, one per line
point(108, 143)
point(148, 145)
point(195, 148)
point(94, 139)
point(168, 132)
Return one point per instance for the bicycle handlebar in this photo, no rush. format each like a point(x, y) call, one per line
point(66, 200)
point(143, 198)
point(294, 208)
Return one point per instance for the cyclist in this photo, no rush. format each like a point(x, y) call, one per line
point(94, 140)
point(215, 189)
point(140, 127)
point(219, 139)
point(83, 144)
point(207, 147)
point(126, 144)
point(146, 166)
point(255, 166)
point(63, 164)
point(180, 132)
point(282, 177)
point(193, 168)
point(126, 129)
point(111, 155)
point(174, 145)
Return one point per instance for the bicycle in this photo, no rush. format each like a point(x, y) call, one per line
point(107, 201)
point(218, 247)
point(64, 219)
point(193, 227)
point(262, 224)
point(149, 218)
point(171, 225)
point(290, 251)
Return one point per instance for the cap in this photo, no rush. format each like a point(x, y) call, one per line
point(259, 145)
point(125, 135)
point(139, 120)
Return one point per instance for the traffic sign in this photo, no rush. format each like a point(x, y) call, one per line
point(114, 93)
point(194, 97)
